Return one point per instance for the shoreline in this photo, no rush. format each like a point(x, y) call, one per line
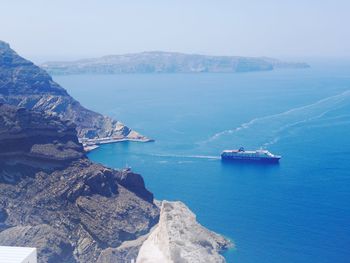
point(92, 144)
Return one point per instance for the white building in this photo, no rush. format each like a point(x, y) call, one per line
point(18, 255)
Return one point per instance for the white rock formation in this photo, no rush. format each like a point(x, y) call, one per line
point(179, 238)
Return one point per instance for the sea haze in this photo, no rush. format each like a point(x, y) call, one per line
point(294, 212)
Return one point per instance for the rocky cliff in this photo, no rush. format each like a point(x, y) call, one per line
point(24, 84)
point(34, 140)
point(53, 198)
point(167, 62)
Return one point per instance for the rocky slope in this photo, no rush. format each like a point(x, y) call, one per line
point(166, 62)
point(24, 84)
point(178, 237)
point(53, 198)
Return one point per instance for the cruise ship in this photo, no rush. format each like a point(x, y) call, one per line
point(243, 155)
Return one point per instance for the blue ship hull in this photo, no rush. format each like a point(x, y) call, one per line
point(250, 159)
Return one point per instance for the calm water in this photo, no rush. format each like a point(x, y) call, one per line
point(295, 212)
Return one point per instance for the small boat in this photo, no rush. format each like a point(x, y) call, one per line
point(243, 155)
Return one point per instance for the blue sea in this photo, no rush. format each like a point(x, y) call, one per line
point(294, 212)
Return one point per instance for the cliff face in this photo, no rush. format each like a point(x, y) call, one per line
point(53, 198)
point(25, 85)
point(166, 62)
point(40, 141)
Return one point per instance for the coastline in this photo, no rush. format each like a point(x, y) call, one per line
point(92, 144)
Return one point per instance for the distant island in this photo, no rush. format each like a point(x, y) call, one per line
point(167, 62)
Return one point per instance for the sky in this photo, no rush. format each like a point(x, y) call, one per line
point(44, 30)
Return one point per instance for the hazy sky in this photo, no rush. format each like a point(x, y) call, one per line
point(69, 29)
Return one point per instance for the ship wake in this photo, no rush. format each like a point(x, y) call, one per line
point(212, 157)
point(272, 128)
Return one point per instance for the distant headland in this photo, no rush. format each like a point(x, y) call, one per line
point(167, 62)
point(34, 89)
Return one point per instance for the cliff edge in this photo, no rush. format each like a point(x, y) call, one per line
point(24, 84)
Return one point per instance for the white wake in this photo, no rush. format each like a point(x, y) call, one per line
point(269, 128)
point(187, 156)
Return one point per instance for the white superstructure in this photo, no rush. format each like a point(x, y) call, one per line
point(257, 155)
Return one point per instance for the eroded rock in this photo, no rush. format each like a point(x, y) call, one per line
point(179, 238)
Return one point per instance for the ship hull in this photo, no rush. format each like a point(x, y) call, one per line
point(250, 159)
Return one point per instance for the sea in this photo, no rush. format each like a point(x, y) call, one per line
point(297, 211)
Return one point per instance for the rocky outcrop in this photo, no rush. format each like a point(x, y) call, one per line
point(179, 238)
point(53, 198)
point(36, 141)
point(166, 62)
point(23, 84)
